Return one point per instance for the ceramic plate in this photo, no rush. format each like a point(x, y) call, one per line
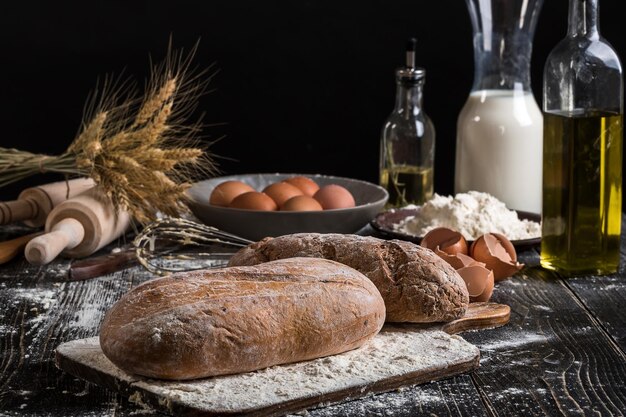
point(255, 225)
point(385, 221)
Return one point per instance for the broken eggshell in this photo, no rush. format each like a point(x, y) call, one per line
point(458, 260)
point(498, 254)
point(447, 240)
point(479, 281)
point(450, 245)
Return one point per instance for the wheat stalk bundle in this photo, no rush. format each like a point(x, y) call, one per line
point(142, 151)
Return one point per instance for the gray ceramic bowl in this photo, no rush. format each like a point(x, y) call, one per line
point(255, 225)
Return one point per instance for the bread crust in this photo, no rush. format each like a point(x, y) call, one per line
point(415, 283)
point(230, 320)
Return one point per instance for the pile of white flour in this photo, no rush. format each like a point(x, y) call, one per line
point(472, 214)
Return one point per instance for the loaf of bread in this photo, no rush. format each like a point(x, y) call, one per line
point(416, 284)
point(230, 320)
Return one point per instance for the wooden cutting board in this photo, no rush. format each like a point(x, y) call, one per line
point(399, 355)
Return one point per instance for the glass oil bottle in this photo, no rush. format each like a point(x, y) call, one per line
point(407, 146)
point(582, 161)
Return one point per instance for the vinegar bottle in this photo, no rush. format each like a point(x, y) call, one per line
point(407, 145)
point(582, 164)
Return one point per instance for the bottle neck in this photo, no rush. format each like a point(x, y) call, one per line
point(502, 61)
point(584, 19)
point(409, 98)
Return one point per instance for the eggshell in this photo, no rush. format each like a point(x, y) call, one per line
point(447, 240)
point(304, 184)
point(334, 197)
point(301, 203)
point(458, 260)
point(226, 192)
point(281, 192)
point(254, 200)
point(498, 254)
point(479, 281)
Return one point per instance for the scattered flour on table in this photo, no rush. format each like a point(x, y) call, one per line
point(413, 400)
point(87, 318)
point(4, 330)
point(38, 302)
point(43, 298)
point(472, 214)
point(513, 342)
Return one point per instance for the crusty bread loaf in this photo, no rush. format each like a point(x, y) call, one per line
point(231, 320)
point(416, 284)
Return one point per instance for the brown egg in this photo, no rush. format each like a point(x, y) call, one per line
point(306, 185)
point(301, 203)
point(447, 240)
point(281, 192)
point(254, 200)
point(479, 281)
point(334, 196)
point(498, 254)
point(226, 192)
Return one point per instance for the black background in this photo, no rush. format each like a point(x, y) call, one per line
point(303, 86)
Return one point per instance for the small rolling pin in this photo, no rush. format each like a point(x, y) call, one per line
point(34, 204)
point(77, 228)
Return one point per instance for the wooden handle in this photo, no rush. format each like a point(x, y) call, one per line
point(102, 265)
point(34, 204)
point(479, 316)
point(11, 248)
point(66, 234)
point(101, 223)
point(18, 210)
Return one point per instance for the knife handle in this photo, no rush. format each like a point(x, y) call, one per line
point(101, 265)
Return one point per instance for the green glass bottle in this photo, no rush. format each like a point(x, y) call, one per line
point(582, 149)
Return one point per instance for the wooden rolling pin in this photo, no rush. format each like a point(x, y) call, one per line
point(77, 228)
point(34, 204)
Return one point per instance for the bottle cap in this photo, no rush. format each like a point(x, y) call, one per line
point(410, 73)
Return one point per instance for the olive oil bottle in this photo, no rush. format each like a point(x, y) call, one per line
point(582, 192)
point(407, 144)
point(582, 150)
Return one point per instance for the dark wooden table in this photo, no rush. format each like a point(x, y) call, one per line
point(563, 352)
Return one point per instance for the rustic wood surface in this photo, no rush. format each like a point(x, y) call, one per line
point(562, 353)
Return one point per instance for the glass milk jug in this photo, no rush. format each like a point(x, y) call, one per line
point(500, 128)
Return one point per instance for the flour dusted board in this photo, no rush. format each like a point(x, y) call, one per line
point(396, 357)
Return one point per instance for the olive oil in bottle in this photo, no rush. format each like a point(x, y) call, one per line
point(407, 143)
point(582, 192)
point(583, 106)
point(407, 184)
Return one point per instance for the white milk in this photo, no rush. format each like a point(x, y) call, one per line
point(499, 148)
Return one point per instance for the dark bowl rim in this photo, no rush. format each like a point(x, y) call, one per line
point(378, 224)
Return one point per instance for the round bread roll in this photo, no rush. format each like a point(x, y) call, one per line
point(416, 284)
